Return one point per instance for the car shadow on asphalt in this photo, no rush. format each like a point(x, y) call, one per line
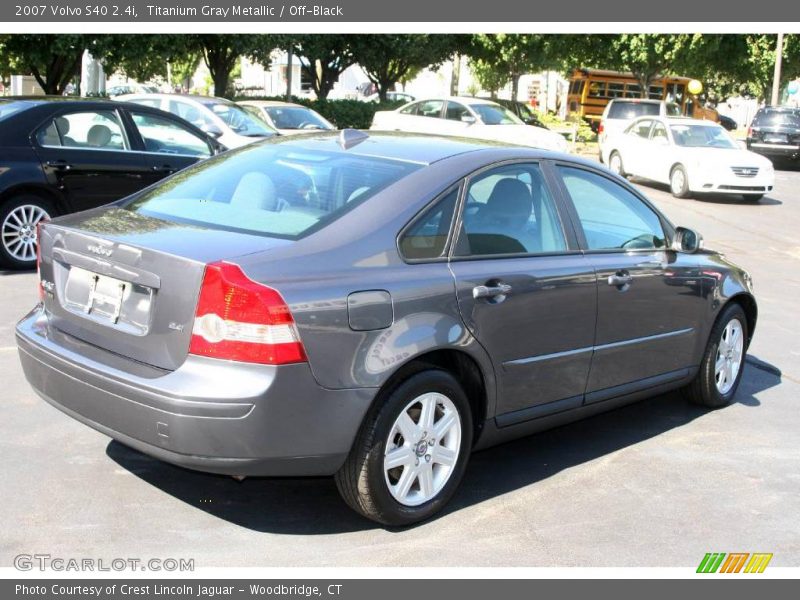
point(312, 506)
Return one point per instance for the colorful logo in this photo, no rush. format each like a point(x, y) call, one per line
point(734, 562)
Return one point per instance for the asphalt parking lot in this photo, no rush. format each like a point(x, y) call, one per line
point(659, 483)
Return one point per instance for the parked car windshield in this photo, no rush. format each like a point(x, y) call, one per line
point(270, 189)
point(494, 114)
point(295, 117)
point(701, 136)
point(239, 120)
point(9, 107)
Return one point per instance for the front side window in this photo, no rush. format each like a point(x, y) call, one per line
point(456, 111)
point(612, 217)
point(90, 130)
point(168, 137)
point(660, 134)
point(239, 120)
point(271, 190)
point(427, 236)
point(430, 108)
point(411, 109)
point(641, 129)
point(509, 210)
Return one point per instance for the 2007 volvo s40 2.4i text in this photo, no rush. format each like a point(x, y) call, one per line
point(375, 308)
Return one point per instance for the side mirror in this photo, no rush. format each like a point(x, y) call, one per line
point(687, 240)
point(468, 119)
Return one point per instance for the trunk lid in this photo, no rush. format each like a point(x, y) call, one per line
point(129, 283)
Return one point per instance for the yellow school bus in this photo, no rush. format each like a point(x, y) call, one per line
point(590, 90)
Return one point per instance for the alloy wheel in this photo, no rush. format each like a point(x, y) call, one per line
point(730, 351)
point(422, 449)
point(19, 231)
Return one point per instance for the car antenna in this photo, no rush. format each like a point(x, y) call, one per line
point(351, 137)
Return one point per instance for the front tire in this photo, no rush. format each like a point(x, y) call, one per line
point(19, 216)
point(679, 182)
point(723, 362)
point(411, 451)
point(615, 164)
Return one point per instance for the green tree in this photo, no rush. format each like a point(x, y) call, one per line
point(647, 55)
point(489, 76)
point(388, 59)
point(514, 55)
point(53, 60)
point(326, 57)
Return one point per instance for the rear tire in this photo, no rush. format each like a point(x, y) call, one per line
point(18, 218)
point(723, 361)
point(754, 198)
point(615, 164)
point(679, 182)
point(430, 452)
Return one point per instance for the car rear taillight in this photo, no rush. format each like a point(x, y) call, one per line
point(749, 132)
point(600, 128)
point(239, 319)
point(39, 285)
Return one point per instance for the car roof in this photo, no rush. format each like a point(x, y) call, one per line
point(418, 148)
point(270, 103)
point(194, 97)
point(468, 100)
point(637, 100)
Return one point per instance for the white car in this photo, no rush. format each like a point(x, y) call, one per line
point(287, 118)
point(619, 113)
point(467, 117)
point(690, 155)
point(230, 124)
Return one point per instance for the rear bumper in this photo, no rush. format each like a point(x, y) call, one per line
point(775, 150)
point(208, 415)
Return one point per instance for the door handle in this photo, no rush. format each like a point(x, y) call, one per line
point(59, 164)
point(168, 169)
point(491, 291)
point(620, 279)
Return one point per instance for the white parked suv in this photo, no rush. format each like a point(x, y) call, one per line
point(619, 113)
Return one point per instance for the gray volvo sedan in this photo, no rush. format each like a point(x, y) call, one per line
point(375, 307)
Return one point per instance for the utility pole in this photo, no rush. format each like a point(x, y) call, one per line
point(776, 78)
point(289, 74)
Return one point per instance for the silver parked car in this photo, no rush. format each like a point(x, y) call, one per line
point(375, 308)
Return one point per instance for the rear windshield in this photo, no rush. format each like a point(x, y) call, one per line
point(270, 189)
point(631, 110)
point(9, 107)
point(777, 118)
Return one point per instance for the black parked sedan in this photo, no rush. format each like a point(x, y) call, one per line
point(775, 133)
point(61, 155)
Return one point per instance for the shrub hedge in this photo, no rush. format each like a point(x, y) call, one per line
point(342, 113)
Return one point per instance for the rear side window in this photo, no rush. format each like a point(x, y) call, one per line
point(631, 110)
point(612, 217)
point(427, 235)
point(90, 130)
point(272, 189)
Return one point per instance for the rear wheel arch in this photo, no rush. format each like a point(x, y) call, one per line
point(56, 200)
point(459, 364)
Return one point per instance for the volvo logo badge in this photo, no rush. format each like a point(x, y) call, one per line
point(95, 249)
